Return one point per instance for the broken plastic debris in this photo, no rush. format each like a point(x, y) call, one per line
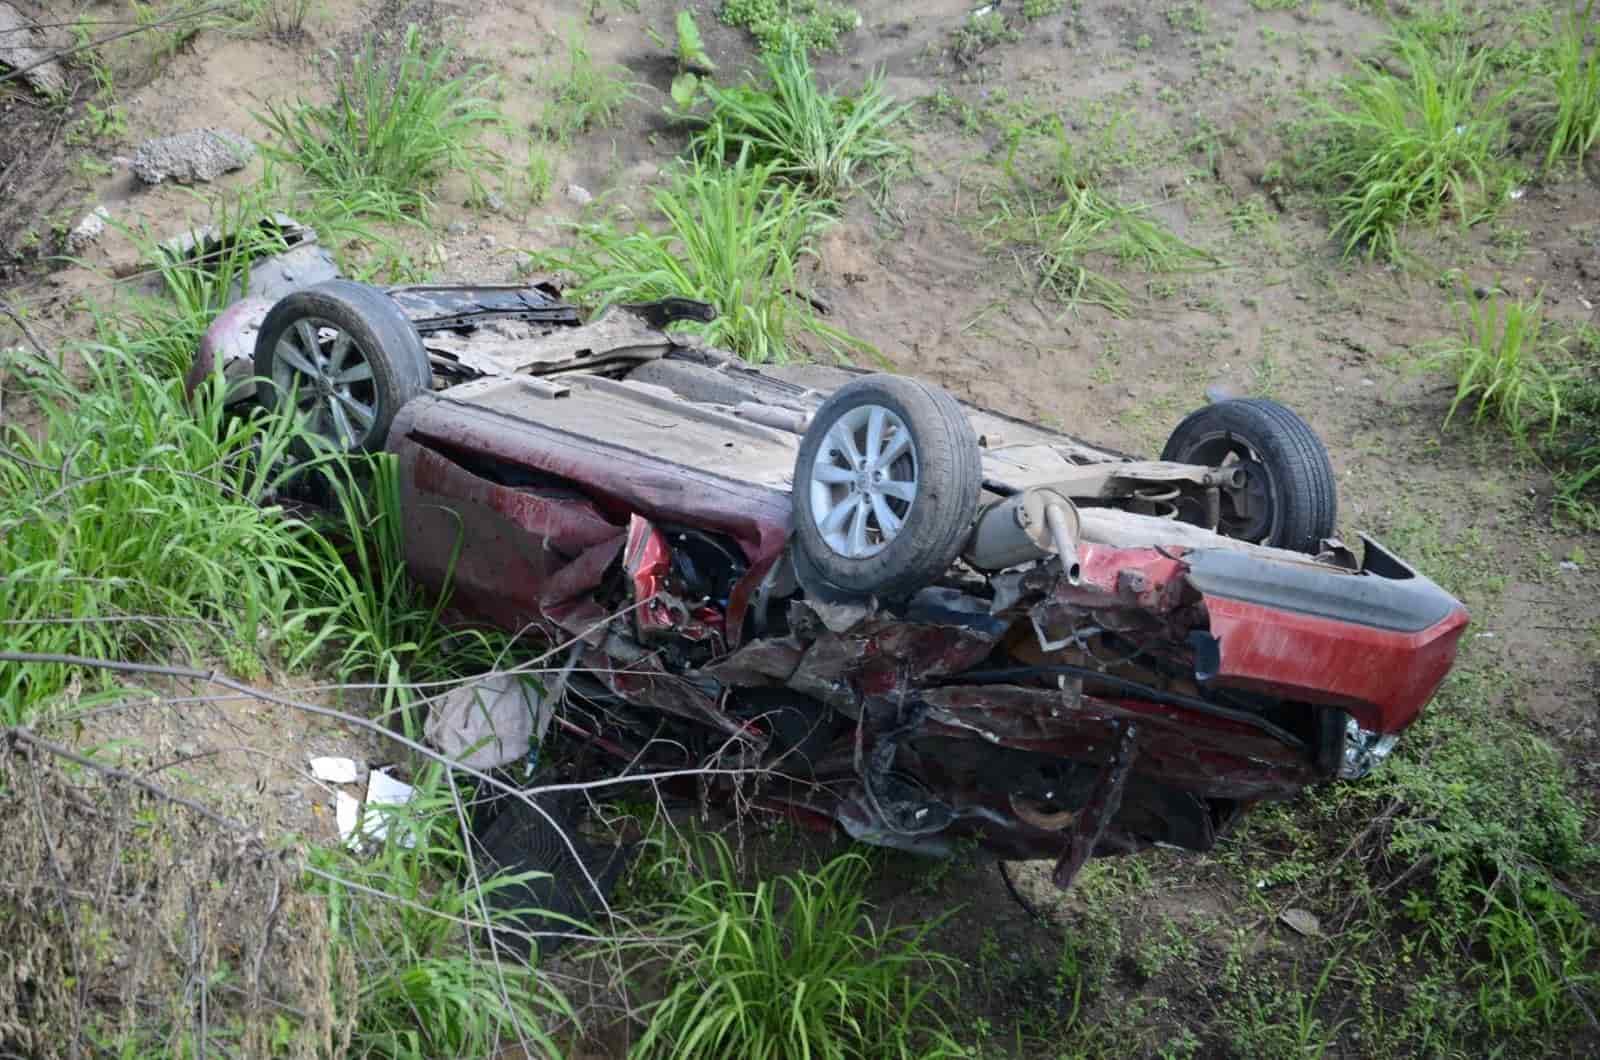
point(335, 770)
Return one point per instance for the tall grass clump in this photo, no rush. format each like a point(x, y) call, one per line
point(584, 95)
point(729, 234)
point(396, 126)
point(1397, 149)
point(1568, 90)
point(1076, 224)
point(791, 968)
point(815, 138)
point(137, 525)
point(431, 981)
point(1501, 367)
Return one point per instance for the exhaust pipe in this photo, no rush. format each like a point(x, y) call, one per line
point(1025, 527)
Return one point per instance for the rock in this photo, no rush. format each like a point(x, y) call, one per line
point(1301, 921)
point(579, 194)
point(191, 157)
point(487, 242)
point(456, 228)
point(25, 46)
point(86, 231)
point(495, 203)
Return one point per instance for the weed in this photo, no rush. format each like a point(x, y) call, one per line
point(137, 525)
point(284, 20)
point(585, 96)
point(1087, 224)
point(731, 237)
point(816, 24)
point(979, 33)
point(1498, 366)
point(394, 128)
point(793, 967)
point(1568, 110)
point(692, 47)
point(1411, 148)
point(1032, 9)
point(537, 174)
point(806, 135)
point(1544, 951)
point(424, 991)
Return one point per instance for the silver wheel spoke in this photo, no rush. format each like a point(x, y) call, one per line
point(833, 520)
point(842, 439)
point(858, 528)
point(291, 355)
point(875, 422)
point(357, 373)
point(341, 349)
point(888, 522)
point(344, 433)
point(833, 474)
point(900, 491)
point(897, 445)
point(363, 413)
point(308, 341)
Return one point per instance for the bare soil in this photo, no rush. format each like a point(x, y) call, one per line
point(1200, 97)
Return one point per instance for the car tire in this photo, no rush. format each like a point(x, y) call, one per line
point(350, 357)
point(1286, 465)
point(889, 522)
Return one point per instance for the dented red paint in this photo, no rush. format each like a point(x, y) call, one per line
point(1382, 677)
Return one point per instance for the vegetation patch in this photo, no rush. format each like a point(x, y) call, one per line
point(730, 234)
point(816, 138)
point(793, 967)
point(777, 24)
point(584, 96)
point(1568, 112)
point(395, 127)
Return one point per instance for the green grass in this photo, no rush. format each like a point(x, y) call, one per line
point(1395, 150)
point(728, 234)
point(427, 987)
point(1568, 89)
point(395, 128)
point(1078, 226)
point(583, 96)
point(793, 967)
point(816, 24)
point(809, 136)
point(1500, 361)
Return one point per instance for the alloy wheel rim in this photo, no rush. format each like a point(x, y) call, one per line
point(863, 481)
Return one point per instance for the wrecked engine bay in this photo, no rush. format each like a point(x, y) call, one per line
point(925, 621)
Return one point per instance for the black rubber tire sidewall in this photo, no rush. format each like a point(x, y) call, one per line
point(400, 369)
point(949, 480)
point(1305, 499)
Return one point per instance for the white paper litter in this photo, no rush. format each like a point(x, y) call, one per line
point(346, 812)
point(334, 770)
point(384, 790)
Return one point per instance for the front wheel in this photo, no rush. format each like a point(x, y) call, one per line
point(343, 356)
point(1288, 500)
point(885, 486)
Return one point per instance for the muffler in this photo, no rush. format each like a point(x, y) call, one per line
point(1024, 527)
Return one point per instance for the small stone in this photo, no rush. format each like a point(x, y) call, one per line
point(1368, 382)
point(487, 242)
point(579, 194)
point(1568, 565)
point(191, 157)
point(456, 228)
point(86, 231)
point(1301, 921)
point(495, 203)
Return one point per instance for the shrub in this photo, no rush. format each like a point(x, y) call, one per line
point(1499, 366)
point(730, 236)
point(1411, 148)
point(395, 127)
point(791, 968)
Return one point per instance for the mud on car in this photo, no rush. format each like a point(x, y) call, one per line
point(930, 621)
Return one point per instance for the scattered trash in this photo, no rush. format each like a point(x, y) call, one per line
point(335, 770)
point(346, 813)
point(86, 231)
point(1568, 565)
point(489, 723)
point(382, 790)
point(1301, 922)
point(191, 157)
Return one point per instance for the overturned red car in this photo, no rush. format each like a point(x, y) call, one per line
point(926, 620)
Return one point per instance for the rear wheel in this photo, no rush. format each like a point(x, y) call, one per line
point(1289, 498)
point(344, 358)
point(885, 486)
